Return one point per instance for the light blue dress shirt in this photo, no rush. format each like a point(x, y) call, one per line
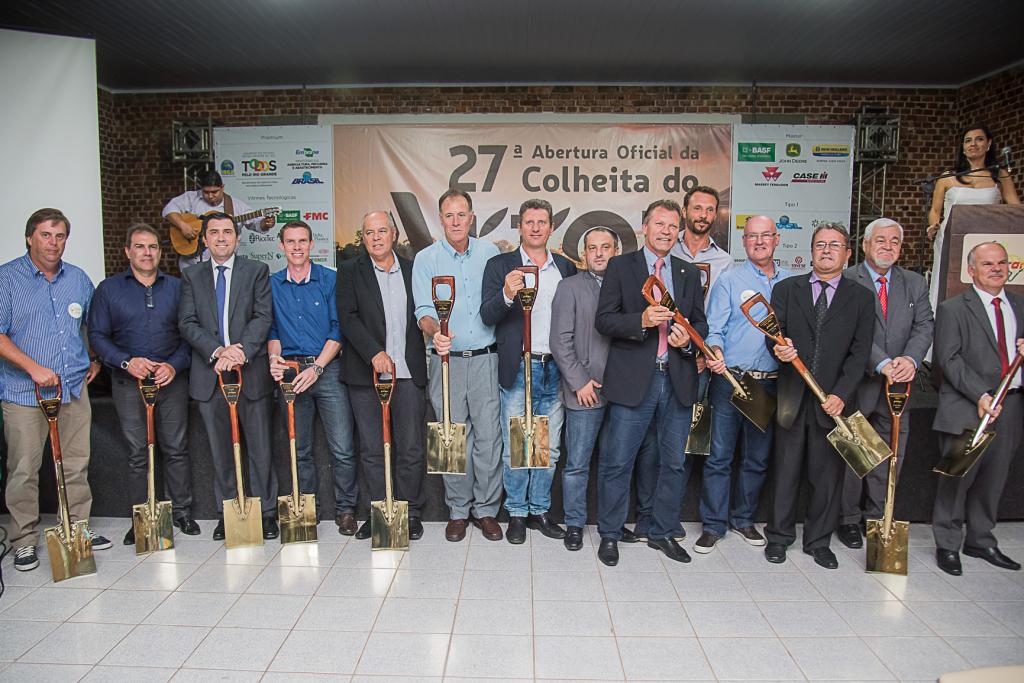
point(728, 329)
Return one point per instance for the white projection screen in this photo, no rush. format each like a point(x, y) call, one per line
point(49, 130)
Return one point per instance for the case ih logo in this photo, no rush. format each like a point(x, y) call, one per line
point(810, 177)
point(771, 173)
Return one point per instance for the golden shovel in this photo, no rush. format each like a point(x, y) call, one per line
point(69, 544)
point(243, 519)
point(389, 518)
point(295, 513)
point(748, 396)
point(151, 521)
point(968, 448)
point(854, 438)
point(446, 440)
point(887, 538)
point(698, 440)
point(528, 433)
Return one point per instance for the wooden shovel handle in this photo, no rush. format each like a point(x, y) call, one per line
point(443, 306)
point(51, 409)
point(666, 300)
point(527, 331)
point(385, 387)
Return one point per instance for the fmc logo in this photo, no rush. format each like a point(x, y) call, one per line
point(315, 216)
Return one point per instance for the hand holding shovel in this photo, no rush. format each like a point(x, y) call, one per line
point(243, 520)
point(446, 440)
point(389, 518)
point(297, 512)
point(887, 539)
point(151, 521)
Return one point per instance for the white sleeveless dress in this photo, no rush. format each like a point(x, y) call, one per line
point(958, 194)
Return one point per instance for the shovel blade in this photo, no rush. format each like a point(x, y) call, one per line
point(242, 527)
point(528, 450)
point(297, 525)
point(698, 442)
point(446, 451)
point(389, 528)
point(887, 555)
point(864, 450)
point(962, 456)
point(70, 557)
point(152, 533)
point(758, 405)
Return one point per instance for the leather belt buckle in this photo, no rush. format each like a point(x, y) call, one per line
point(661, 365)
point(467, 354)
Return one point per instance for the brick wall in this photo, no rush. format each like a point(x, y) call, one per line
point(997, 102)
point(138, 175)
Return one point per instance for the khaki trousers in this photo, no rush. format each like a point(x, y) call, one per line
point(26, 432)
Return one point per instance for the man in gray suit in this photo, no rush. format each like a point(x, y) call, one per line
point(976, 334)
point(903, 333)
point(225, 314)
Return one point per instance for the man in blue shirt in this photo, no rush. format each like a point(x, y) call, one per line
point(43, 306)
point(133, 328)
point(473, 355)
point(306, 330)
point(725, 503)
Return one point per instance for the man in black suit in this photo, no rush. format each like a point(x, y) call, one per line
point(903, 333)
point(377, 312)
point(976, 334)
point(650, 376)
point(829, 322)
point(225, 314)
point(527, 491)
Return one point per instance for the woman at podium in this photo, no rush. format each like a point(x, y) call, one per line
point(976, 178)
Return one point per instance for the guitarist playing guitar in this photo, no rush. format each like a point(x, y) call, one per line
point(183, 213)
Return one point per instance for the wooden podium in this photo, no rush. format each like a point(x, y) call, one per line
point(970, 224)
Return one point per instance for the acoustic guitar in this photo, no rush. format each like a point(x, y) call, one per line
point(190, 247)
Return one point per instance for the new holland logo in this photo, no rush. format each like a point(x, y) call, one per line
point(771, 173)
point(810, 177)
point(831, 150)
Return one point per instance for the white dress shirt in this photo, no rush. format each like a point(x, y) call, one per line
point(1009, 325)
point(230, 267)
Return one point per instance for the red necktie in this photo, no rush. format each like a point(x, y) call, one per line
point(1004, 358)
point(883, 298)
point(663, 327)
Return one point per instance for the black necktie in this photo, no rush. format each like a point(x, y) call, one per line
point(820, 309)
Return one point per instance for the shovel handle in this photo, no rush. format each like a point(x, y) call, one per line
point(528, 305)
point(997, 399)
point(384, 388)
point(231, 392)
point(222, 383)
point(706, 280)
point(443, 306)
point(148, 390)
point(51, 409)
point(666, 300)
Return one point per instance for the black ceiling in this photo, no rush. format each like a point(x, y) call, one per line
point(185, 44)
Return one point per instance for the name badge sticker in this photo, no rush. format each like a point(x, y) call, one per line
point(75, 310)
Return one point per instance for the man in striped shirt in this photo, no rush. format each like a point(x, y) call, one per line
point(43, 307)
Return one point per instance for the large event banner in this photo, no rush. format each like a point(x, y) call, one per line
point(288, 167)
point(593, 174)
point(800, 176)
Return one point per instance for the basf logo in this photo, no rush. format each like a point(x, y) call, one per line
point(307, 178)
point(756, 151)
point(227, 167)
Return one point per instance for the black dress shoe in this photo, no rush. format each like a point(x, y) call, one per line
point(849, 535)
point(628, 536)
point(543, 524)
point(187, 525)
point(364, 531)
point(270, 528)
point(516, 533)
point(415, 529)
point(129, 538)
point(949, 561)
point(218, 532)
point(775, 553)
point(573, 538)
point(992, 556)
point(670, 547)
point(824, 557)
point(608, 552)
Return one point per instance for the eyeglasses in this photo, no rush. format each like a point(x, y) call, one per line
point(761, 236)
point(149, 296)
point(831, 246)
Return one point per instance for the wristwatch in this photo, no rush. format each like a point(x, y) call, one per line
point(125, 364)
point(318, 369)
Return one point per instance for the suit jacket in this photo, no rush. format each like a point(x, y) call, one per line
point(361, 316)
point(250, 313)
point(848, 329)
point(634, 349)
point(905, 331)
point(508, 320)
point(579, 349)
point(966, 350)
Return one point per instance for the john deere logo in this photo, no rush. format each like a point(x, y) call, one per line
point(792, 150)
point(756, 151)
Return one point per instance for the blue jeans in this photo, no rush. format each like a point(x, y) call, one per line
point(626, 431)
point(582, 428)
point(528, 491)
point(329, 397)
point(727, 425)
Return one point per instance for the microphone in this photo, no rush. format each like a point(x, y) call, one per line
point(1007, 160)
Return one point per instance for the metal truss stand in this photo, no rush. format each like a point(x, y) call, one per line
point(878, 141)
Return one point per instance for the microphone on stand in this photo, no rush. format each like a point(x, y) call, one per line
point(1007, 160)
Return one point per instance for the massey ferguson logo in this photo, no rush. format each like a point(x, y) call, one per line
point(771, 173)
point(810, 177)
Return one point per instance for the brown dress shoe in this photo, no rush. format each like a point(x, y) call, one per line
point(456, 530)
point(347, 524)
point(489, 527)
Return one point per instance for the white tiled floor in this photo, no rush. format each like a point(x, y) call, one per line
point(477, 610)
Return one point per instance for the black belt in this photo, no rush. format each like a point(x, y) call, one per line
point(1015, 390)
point(661, 365)
point(301, 360)
point(493, 348)
point(542, 357)
point(756, 374)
